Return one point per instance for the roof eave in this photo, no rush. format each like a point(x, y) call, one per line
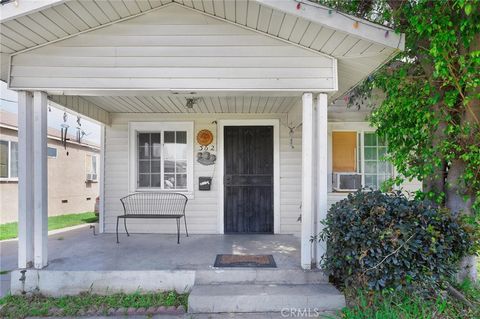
point(18, 9)
point(343, 22)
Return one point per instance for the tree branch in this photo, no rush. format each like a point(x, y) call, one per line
point(459, 296)
point(389, 255)
point(459, 88)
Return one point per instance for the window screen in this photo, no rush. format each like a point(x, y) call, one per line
point(162, 160)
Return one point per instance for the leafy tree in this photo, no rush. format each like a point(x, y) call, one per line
point(430, 111)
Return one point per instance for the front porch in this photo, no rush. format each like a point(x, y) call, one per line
point(161, 251)
point(155, 79)
point(82, 262)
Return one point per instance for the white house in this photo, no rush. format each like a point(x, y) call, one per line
point(265, 77)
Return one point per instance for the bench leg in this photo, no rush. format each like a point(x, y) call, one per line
point(185, 220)
point(125, 224)
point(178, 230)
point(118, 218)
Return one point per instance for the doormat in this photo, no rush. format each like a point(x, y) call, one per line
point(262, 261)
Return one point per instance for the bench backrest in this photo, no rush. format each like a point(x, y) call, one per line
point(154, 203)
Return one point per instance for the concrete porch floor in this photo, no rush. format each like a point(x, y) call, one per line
point(77, 259)
point(83, 251)
point(80, 250)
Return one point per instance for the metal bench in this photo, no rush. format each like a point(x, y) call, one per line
point(154, 205)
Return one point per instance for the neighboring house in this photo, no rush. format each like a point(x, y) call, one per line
point(72, 172)
point(178, 85)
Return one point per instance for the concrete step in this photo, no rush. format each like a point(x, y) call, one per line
point(264, 298)
point(259, 276)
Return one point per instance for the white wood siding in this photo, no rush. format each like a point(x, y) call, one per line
point(202, 210)
point(290, 181)
point(335, 197)
point(173, 48)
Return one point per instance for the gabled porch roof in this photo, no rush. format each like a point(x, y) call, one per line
point(359, 46)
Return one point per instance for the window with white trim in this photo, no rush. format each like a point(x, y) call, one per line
point(157, 163)
point(162, 156)
point(8, 160)
point(377, 170)
point(359, 160)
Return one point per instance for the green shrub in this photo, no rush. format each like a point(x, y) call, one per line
point(377, 240)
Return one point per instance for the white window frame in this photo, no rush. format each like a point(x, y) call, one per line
point(362, 134)
point(9, 178)
point(360, 128)
point(156, 127)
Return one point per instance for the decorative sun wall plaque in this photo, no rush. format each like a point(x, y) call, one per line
point(206, 155)
point(205, 137)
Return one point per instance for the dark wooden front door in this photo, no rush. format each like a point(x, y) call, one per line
point(248, 179)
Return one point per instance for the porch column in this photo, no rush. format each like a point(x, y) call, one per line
point(101, 204)
point(25, 179)
point(308, 224)
point(321, 120)
point(40, 177)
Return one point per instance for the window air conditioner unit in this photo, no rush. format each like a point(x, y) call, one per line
point(347, 181)
point(91, 177)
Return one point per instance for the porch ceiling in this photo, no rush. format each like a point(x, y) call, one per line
point(359, 50)
point(177, 104)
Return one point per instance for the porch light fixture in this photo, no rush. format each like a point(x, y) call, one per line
point(191, 102)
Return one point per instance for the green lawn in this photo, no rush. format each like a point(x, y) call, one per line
point(73, 306)
point(10, 230)
point(406, 305)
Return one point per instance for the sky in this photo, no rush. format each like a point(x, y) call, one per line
point(8, 103)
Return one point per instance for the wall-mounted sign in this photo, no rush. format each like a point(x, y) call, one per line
point(205, 137)
point(206, 158)
point(206, 154)
point(204, 183)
